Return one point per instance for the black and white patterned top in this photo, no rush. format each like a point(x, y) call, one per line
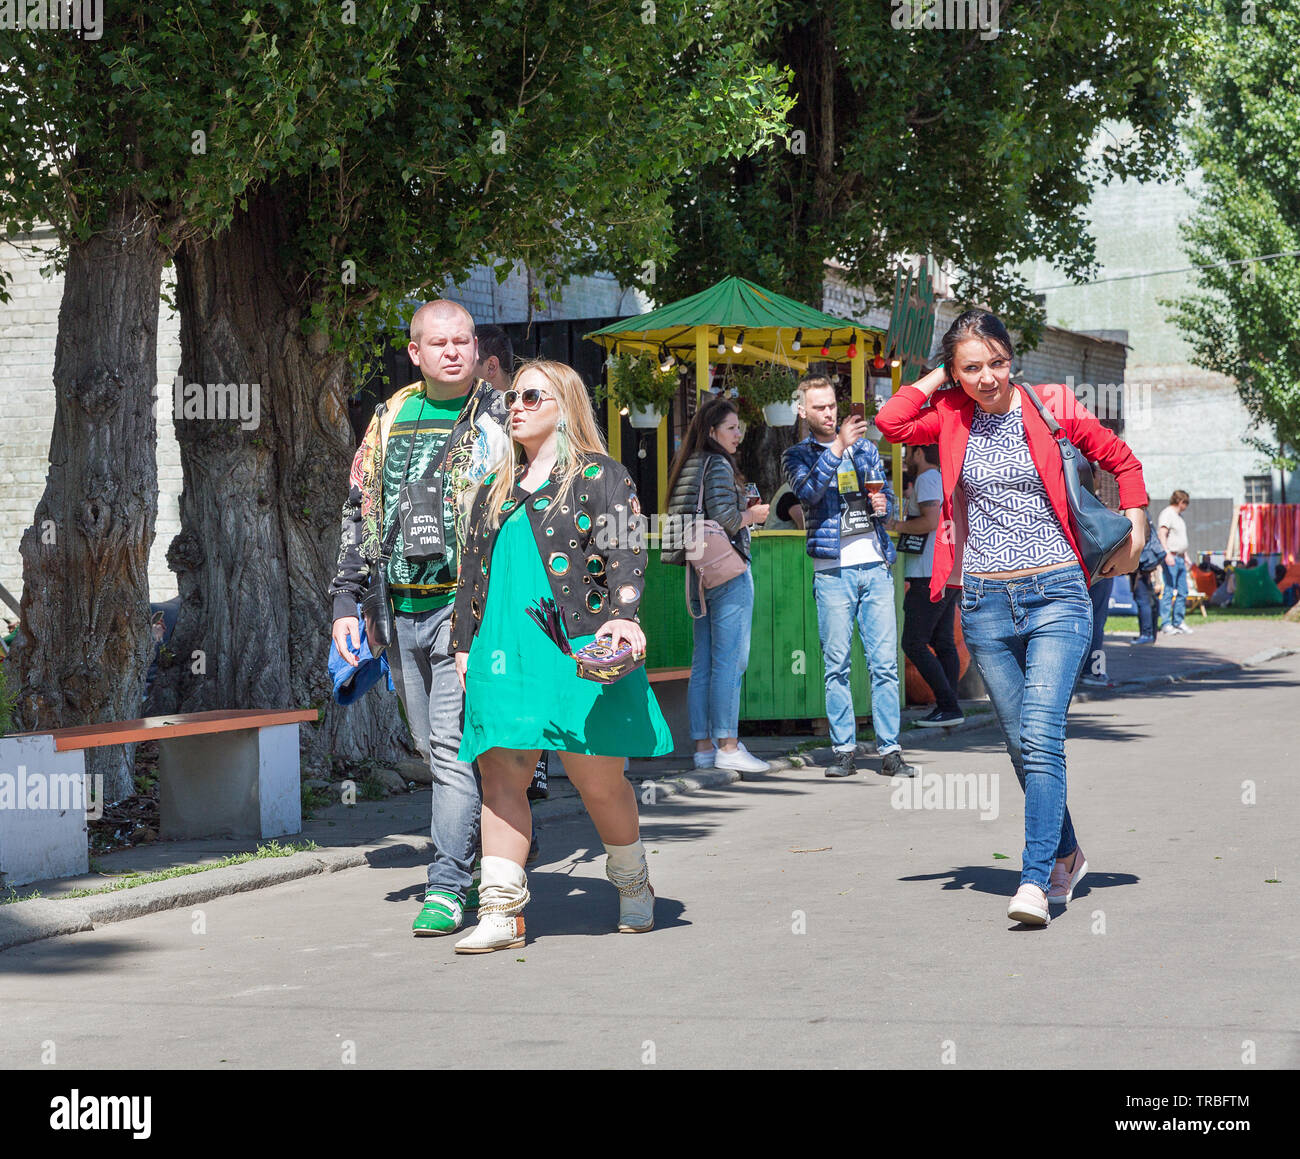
point(1010, 521)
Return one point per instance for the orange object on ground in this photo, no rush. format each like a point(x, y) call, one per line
point(1204, 580)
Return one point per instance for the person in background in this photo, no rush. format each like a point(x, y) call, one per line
point(496, 357)
point(1173, 568)
point(852, 554)
point(928, 625)
point(787, 514)
point(722, 617)
point(1025, 611)
point(1144, 592)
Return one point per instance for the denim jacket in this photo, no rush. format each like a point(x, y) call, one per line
point(811, 471)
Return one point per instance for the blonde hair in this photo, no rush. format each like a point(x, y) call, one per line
point(581, 432)
point(813, 382)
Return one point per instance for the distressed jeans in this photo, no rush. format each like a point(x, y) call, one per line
point(865, 595)
point(720, 656)
point(424, 673)
point(1029, 637)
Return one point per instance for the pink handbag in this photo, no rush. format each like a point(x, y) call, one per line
point(716, 559)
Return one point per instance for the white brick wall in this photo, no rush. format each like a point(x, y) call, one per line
point(590, 296)
point(29, 325)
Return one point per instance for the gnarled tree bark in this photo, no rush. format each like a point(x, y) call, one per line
point(260, 507)
point(85, 642)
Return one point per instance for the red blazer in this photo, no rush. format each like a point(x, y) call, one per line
point(906, 419)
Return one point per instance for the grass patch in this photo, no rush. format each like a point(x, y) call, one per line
point(131, 880)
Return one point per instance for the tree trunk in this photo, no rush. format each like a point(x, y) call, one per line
point(85, 641)
point(262, 494)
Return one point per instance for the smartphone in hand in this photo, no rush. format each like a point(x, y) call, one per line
point(858, 410)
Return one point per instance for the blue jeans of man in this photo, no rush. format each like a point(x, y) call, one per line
point(1174, 597)
point(1029, 638)
point(424, 674)
point(720, 655)
point(865, 595)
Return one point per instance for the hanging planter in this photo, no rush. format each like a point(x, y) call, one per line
point(637, 385)
point(644, 418)
point(772, 387)
point(781, 414)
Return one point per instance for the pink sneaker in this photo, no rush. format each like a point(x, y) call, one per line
point(1066, 875)
point(1029, 906)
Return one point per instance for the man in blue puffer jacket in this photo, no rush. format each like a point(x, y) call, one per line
point(852, 554)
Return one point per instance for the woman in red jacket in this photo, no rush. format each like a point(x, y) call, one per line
point(1005, 540)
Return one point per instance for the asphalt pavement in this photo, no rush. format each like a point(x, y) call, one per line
point(801, 922)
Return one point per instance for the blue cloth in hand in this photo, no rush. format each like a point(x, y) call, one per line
point(351, 684)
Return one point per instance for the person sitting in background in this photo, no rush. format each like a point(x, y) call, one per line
point(788, 514)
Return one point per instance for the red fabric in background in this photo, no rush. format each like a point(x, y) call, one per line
point(1266, 528)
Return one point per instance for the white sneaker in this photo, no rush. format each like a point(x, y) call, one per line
point(740, 761)
point(1169, 630)
point(705, 760)
point(1183, 630)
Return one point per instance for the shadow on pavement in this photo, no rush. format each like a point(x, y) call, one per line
point(1004, 882)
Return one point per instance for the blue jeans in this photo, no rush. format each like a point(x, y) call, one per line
point(1029, 638)
point(864, 594)
point(424, 673)
point(1175, 592)
point(1144, 597)
point(720, 656)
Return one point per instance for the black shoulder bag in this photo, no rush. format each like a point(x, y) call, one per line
point(1099, 531)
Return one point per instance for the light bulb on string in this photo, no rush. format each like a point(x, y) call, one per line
point(826, 346)
point(740, 343)
point(640, 448)
point(666, 358)
point(798, 340)
point(877, 361)
point(853, 345)
point(722, 342)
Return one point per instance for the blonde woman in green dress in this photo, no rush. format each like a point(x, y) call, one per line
point(560, 521)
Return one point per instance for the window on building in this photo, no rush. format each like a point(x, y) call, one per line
point(1259, 489)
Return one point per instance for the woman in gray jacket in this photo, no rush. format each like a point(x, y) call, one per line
point(704, 480)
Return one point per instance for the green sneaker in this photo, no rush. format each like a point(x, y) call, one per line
point(476, 879)
point(442, 914)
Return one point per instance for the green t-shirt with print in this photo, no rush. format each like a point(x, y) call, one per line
point(417, 587)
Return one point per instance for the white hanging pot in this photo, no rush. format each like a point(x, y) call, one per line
point(644, 418)
point(780, 414)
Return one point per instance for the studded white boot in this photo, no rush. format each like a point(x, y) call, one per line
point(502, 897)
point(626, 868)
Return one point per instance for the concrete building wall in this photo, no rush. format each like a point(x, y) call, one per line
point(1192, 429)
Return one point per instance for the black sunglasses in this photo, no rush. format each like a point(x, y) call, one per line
point(531, 396)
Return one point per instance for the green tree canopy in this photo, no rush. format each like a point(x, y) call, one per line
point(1245, 136)
point(981, 150)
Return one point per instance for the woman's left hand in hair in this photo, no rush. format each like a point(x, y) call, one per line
point(621, 632)
point(1125, 561)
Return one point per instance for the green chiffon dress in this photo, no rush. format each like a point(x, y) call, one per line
point(522, 692)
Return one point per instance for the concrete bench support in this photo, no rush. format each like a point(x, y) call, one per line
point(230, 784)
point(43, 801)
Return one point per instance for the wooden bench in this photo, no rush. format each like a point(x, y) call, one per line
point(220, 774)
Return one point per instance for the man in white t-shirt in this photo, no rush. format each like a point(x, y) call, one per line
point(1173, 568)
point(928, 626)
